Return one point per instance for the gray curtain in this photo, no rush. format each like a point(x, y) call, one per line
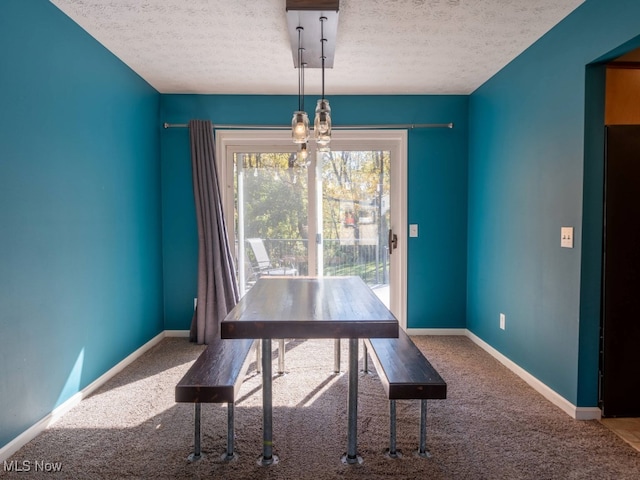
point(217, 283)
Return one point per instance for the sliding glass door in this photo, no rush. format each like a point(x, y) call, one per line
point(356, 216)
point(333, 214)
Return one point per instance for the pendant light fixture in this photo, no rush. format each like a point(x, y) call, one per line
point(302, 19)
point(322, 121)
point(300, 121)
point(303, 154)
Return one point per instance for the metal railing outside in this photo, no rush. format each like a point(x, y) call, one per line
point(364, 260)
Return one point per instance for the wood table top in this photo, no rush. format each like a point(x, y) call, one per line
point(310, 307)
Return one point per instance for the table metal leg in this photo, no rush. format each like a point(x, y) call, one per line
point(259, 357)
point(267, 458)
point(365, 359)
point(336, 355)
point(352, 456)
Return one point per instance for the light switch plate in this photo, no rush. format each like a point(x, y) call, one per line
point(413, 230)
point(566, 237)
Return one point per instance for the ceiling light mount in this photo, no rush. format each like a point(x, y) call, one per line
point(305, 13)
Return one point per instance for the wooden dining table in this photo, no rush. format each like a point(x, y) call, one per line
point(304, 308)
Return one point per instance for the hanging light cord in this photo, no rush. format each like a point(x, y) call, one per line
point(300, 72)
point(322, 57)
point(302, 67)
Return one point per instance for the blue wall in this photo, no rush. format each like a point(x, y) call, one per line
point(437, 192)
point(526, 167)
point(80, 231)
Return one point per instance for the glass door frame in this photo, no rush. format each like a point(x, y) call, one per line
point(229, 142)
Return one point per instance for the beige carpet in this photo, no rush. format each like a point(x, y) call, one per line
point(491, 426)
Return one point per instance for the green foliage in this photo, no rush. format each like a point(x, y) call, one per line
point(275, 196)
point(355, 198)
point(355, 184)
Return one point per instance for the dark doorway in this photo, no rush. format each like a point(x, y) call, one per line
point(620, 336)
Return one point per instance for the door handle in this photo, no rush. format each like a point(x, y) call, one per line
point(393, 241)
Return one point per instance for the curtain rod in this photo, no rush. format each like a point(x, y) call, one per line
point(409, 126)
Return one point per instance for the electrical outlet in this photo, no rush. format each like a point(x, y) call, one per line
point(503, 320)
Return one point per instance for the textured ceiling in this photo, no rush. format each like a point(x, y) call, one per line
point(382, 46)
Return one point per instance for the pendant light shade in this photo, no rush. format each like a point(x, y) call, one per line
point(303, 153)
point(300, 127)
point(322, 122)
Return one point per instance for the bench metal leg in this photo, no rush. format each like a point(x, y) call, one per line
point(336, 356)
point(422, 450)
point(230, 455)
point(197, 452)
point(281, 356)
point(267, 458)
point(393, 453)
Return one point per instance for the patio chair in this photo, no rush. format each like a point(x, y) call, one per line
point(263, 265)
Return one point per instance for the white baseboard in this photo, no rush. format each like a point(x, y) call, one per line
point(25, 437)
point(579, 413)
point(436, 331)
point(587, 413)
point(176, 333)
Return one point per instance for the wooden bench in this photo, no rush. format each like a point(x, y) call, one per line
point(216, 377)
point(405, 374)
